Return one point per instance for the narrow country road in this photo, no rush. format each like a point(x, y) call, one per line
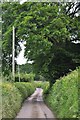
point(34, 107)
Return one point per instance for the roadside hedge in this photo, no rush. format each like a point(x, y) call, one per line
point(25, 77)
point(25, 89)
point(43, 85)
point(13, 95)
point(63, 97)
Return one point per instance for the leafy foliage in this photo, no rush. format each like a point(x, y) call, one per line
point(13, 96)
point(25, 77)
point(11, 100)
point(48, 31)
point(63, 97)
point(44, 85)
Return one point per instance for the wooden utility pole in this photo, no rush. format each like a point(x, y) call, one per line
point(13, 54)
point(19, 72)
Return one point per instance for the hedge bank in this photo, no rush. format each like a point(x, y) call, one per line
point(13, 96)
point(63, 97)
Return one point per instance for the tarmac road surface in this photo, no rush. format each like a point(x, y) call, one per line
point(34, 107)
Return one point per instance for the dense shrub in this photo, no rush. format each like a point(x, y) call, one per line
point(63, 96)
point(43, 85)
point(7, 78)
point(13, 96)
point(25, 77)
point(11, 100)
point(25, 89)
point(39, 78)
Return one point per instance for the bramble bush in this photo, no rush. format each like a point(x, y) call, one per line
point(63, 97)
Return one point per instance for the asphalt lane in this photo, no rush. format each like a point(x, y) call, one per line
point(34, 107)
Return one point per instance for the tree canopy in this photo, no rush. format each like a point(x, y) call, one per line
point(49, 30)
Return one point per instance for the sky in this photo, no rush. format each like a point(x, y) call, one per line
point(20, 58)
point(22, 1)
point(76, 42)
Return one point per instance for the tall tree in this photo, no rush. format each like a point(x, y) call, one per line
point(48, 31)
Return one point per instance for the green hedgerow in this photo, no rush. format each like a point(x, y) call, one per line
point(13, 95)
point(63, 96)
